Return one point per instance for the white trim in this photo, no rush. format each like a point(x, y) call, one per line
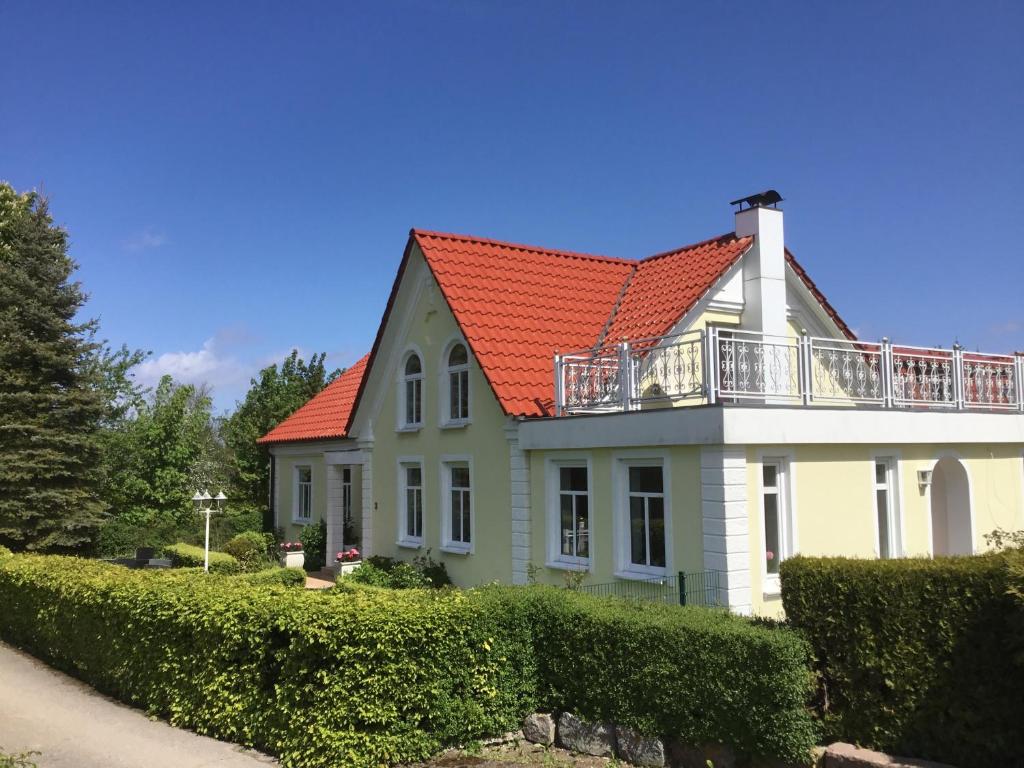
point(552, 494)
point(519, 483)
point(401, 425)
point(897, 547)
point(447, 544)
point(621, 462)
point(404, 539)
point(312, 447)
point(951, 454)
point(725, 523)
point(444, 384)
point(298, 519)
point(786, 493)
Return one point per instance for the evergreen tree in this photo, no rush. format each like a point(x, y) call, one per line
point(51, 405)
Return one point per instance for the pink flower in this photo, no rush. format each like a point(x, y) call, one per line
point(769, 555)
point(354, 552)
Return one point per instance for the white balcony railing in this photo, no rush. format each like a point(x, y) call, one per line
point(735, 366)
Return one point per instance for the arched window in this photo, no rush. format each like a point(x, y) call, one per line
point(412, 391)
point(458, 384)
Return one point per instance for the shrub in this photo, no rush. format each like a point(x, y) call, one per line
point(696, 674)
point(250, 550)
point(915, 655)
point(423, 571)
point(4, 552)
point(289, 577)
point(314, 546)
point(188, 556)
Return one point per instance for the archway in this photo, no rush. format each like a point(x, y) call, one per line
point(951, 509)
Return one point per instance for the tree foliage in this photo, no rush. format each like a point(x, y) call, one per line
point(51, 403)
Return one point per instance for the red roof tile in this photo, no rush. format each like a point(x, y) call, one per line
point(327, 414)
point(517, 305)
point(667, 286)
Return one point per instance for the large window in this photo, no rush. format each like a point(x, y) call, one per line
point(647, 516)
point(346, 496)
point(411, 503)
point(568, 485)
point(303, 511)
point(412, 392)
point(885, 508)
point(775, 515)
point(458, 385)
point(458, 506)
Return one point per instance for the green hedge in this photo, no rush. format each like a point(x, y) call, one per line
point(363, 676)
point(916, 656)
point(250, 549)
point(188, 556)
point(696, 674)
point(289, 577)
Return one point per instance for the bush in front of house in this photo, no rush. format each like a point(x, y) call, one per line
point(250, 549)
point(694, 674)
point(389, 572)
point(314, 546)
point(188, 556)
point(288, 577)
point(916, 656)
point(4, 552)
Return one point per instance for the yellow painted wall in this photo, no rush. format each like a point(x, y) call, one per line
point(834, 504)
point(431, 329)
point(285, 491)
point(684, 489)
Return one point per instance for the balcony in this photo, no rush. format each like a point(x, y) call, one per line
point(721, 365)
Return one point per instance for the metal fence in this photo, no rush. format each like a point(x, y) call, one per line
point(697, 588)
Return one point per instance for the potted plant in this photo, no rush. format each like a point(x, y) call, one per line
point(348, 560)
point(291, 554)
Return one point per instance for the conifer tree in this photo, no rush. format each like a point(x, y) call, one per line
point(50, 404)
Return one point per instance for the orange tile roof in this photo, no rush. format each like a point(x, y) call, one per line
point(518, 305)
point(327, 414)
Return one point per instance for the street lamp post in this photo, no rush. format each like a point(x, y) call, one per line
point(204, 506)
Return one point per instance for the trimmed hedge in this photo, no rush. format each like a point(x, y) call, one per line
point(289, 577)
point(250, 549)
point(916, 656)
point(188, 556)
point(699, 675)
point(362, 676)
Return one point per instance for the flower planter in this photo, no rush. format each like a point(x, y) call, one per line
point(292, 559)
point(348, 566)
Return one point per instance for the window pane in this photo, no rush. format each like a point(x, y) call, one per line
point(305, 474)
point(772, 554)
point(464, 395)
point(770, 475)
point(882, 500)
point(656, 521)
point(410, 512)
point(573, 478)
point(346, 475)
point(582, 532)
point(412, 401)
point(453, 395)
point(637, 531)
point(457, 356)
point(456, 515)
point(880, 473)
point(413, 476)
point(566, 524)
point(645, 480)
point(465, 517)
point(460, 477)
point(412, 366)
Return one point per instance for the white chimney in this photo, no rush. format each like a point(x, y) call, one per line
point(764, 265)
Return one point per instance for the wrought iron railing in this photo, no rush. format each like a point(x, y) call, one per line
point(697, 588)
point(730, 365)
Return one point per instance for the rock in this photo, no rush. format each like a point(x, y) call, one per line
point(596, 739)
point(842, 755)
point(512, 737)
point(681, 755)
point(635, 748)
point(539, 728)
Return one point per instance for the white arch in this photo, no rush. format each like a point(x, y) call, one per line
point(950, 483)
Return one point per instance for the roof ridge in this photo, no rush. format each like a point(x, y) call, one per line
point(520, 246)
point(691, 246)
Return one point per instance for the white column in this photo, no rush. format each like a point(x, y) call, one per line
point(335, 525)
point(366, 446)
point(519, 469)
point(723, 475)
point(764, 271)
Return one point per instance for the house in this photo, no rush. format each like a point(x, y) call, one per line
point(527, 412)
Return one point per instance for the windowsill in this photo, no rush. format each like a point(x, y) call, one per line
point(410, 543)
point(569, 565)
point(410, 428)
point(457, 548)
point(772, 586)
point(646, 574)
point(462, 424)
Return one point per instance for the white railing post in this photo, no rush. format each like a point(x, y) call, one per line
point(959, 391)
point(625, 377)
point(887, 364)
point(559, 386)
point(709, 337)
point(805, 361)
point(1019, 360)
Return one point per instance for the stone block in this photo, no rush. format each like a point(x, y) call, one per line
point(539, 729)
point(635, 748)
point(597, 739)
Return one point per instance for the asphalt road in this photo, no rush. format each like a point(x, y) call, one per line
point(71, 725)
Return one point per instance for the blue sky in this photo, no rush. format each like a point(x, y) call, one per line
point(240, 178)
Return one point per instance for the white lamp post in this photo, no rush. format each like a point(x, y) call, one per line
point(203, 506)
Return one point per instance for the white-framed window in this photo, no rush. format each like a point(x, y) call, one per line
point(457, 505)
point(346, 496)
point(569, 505)
point(303, 509)
point(643, 512)
point(456, 407)
point(776, 518)
point(410, 393)
point(887, 540)
point(410, 502)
